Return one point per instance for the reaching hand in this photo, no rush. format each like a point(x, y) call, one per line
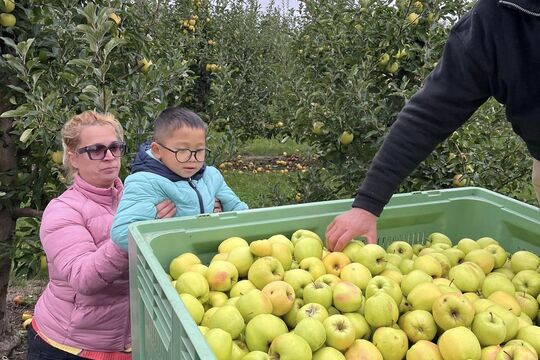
point(165, 209)
point(347, 226)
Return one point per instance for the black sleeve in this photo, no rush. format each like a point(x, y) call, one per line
point(451, 94)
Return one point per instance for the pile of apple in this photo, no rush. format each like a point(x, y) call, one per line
point(282, 298)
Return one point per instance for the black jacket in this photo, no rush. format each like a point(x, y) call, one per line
point(494, 50)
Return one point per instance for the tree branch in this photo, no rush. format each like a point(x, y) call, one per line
point(26, 212)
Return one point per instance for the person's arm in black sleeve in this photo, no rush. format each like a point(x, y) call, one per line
point(451, 94)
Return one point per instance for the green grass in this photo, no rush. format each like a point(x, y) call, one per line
point(272, 147)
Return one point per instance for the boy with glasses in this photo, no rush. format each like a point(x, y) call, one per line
point(172, 167)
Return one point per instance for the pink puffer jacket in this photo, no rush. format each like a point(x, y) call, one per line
point(86, 302)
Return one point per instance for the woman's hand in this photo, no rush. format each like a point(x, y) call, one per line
point(217, 206)
point(165, 209)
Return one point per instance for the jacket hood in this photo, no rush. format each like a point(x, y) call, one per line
point(144, 162)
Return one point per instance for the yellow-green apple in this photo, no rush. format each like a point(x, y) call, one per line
point(262, 330)
point(256, 355)
point(339, 332)
point(356, 273)
point(392, 343)
point(393, 259)
point(528, 281)
point(307, 247)
point(261, 248)
point(516, 352)
point(443, 281)
point(221, 275)
point(362, 330)
point(453, 310)
point(289, 347)
point(530, 334)
point(179, 264)
point(347, 297)
point(373, 257)
point(203, 329)
point(352, 248)
point(467, 245)
point(281, 294)
point(482, 258)
point(471, 296)
point(522, 343)
point(490, 352)
point(504, 271)
point(438, 238)
point(506, 300)
point(443, 260)
point(459, 343)
point(423, 296)
point(482, 305)
point(239, 350)
point(454, 255)
point(216, 298)
point(363, 350)
point(253, 303)
point(208, 315)
point(412, 279)
point(392, 274)
point(193, 283)
point(383, 284)
point(328, 353)
point(401, 248)
point(282, 239)
point(313, 331)
point(427, 251)
point(333, 311)
point(439, 248)
point(334, 262)
point(404, 306)
point(314, 266)
point(318, 292)
point(193, 306)
point(510, 320)
point(418, 325)
point(294, 264)
point(302, 233)
point(381, 310)
point(429, 265)
point(219, 256)
point(229, 319)
point(524, 320)
point(241, 258)
point(499, 254)
point(312, 310)
point(417, 248)
point(290, 317)
point(406, 266)
point(329, 279)
point(467, 276)
point(524, 260)
point(424, 350)
point(283, 253)
point(232, 301)
point(528, 304)
point(486, 241)
point(220, 342)
point(231, 243)
point(489, 328)
point(200, 268)
point(298, 279)
point(265, 270)
point(241, 288)
point(497, 282)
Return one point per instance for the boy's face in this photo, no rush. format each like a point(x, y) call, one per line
point(185, 138)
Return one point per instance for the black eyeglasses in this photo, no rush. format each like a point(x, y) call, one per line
point(184, 155)
point(99, 151)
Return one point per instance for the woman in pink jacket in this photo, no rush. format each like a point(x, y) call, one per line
point(84, 310)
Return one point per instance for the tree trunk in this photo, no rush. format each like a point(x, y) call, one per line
point(8, 161)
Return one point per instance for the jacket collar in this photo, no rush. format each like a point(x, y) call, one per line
point(528, 7)
point(144, 162)
point(108, 197)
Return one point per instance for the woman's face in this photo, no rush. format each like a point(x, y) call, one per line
point(100, 173)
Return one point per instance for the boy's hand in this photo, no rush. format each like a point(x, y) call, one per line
point(217, 206)
point(165, 209)
point(350, 224)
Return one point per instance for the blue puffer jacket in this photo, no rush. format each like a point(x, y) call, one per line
point(151, 182)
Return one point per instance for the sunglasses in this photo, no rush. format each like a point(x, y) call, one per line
point(99, 151)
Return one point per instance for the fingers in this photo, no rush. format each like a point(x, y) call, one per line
point(165, 209)
point(343, 241)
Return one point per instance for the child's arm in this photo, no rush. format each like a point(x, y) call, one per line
point(138, 203)
point(229, 200)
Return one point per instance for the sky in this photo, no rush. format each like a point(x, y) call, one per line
point(281, 3)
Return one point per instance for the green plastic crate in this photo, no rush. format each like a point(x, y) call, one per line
point(163, 329)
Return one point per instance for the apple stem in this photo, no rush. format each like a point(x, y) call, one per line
point(491, 314)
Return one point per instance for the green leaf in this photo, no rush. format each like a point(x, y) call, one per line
point(9, 42)
point(25, 135)
point(114, 42)
point(24, 46)
point(81, 62)
point(21, 111)
point(18, 89)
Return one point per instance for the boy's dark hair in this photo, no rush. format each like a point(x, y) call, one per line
point(174, 118)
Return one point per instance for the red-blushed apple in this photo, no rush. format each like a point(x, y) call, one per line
point(314, 266)
point(363, 350)
point(241, 258)
point(253, 303)
point(347, 297)
point(298, 279)
point(262, 330)
point(221, 275)
point(418, 325)
point(424, 350)
point(313, 310)
point(339, 332)
point(392, 343)
point(265, 270)
point(290, 317)
point(459, 343)
point(220, 342)
point(229, 319)
point(181, 263)
point(313, 331)
point(281, 294)
point(193, 306)
point(318, 292)
point(381, 310)
point(362, 330)
point(328, 353)
point(194, 284)
point(289, 346)
point(453, 310)
point(489, 328)
point(241, 288)
point(334, 262)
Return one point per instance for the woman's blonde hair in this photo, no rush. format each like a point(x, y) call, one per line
point(71, 132)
